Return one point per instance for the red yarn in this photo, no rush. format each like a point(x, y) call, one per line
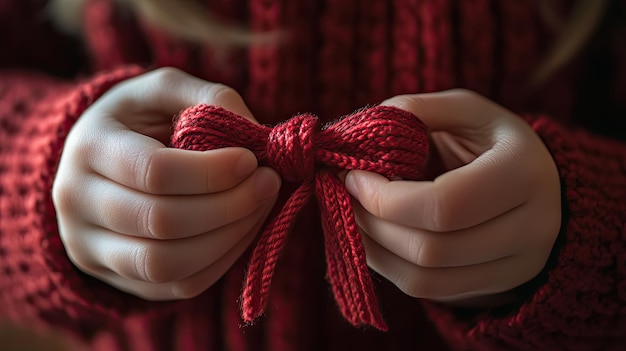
point(381, 139)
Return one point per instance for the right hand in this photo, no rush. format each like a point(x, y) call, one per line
point(157, 222)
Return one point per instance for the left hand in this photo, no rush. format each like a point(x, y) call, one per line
point(484, 226)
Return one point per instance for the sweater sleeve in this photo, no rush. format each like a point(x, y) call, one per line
point(39, 283)
point(577, 303)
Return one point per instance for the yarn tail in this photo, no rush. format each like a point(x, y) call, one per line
point(347, 269)
point(267, 252)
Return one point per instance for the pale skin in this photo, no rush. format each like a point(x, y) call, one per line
point(484, 226)
point(166, 224)
point(157, 222)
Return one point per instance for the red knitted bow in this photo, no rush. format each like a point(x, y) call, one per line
point(385, 140)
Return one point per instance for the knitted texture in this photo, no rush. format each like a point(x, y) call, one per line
point(381, 139)
point(36, 114)
point(339, 56)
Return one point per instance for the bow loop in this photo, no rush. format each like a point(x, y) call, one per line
point(381, 139)
point(209, 127)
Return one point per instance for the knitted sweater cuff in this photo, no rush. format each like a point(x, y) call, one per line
point(577, 301)
point(40, 282)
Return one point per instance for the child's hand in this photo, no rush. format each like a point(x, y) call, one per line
point(485, 226)
point(157, 222)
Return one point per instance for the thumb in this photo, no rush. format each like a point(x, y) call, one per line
point(449, 110)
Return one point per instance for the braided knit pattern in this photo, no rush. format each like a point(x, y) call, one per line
point(435, 31)
point(380, 139)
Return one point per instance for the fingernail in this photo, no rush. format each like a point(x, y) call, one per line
point(352, 184)
point(245, 165)
point(267, 183)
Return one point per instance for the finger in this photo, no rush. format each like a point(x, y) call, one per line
point(145, 164)
point(160, 261)
point(462, 198)
point(182, 289)
point(501, 237)
point(121, 136)
point(452, 282)
point(449, 152)
point(167, 91)
point(123, 210)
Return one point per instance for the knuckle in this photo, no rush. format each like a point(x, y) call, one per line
point(145, 294)
point(139, 261)
point(147, 167)
point(165, 79)
point(87, 266)
point(437, 220)
point(238, 206)
point(155, 296)
point(156, 220)
point(73, 247)
point(68, 194)
point(439, 214)
point(64, 184)
point(109, 208)
point(233, 211)
point(152, 169)
point(418, 103)
point(229, 212)
point(81, 143)
point(465, 92)
point(414, 286)
point(167, 75)
point(424, 252)
point(187, 290)
point(220, 93)
point(472, 99)
point(374, 203)
point(87, 150)
point(62, 194)
point(469, 95)
point(149, 263)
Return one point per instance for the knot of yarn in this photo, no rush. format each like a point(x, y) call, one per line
point(380, 139)
point(290, 148)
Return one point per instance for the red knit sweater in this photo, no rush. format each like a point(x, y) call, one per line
point(343, 56)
